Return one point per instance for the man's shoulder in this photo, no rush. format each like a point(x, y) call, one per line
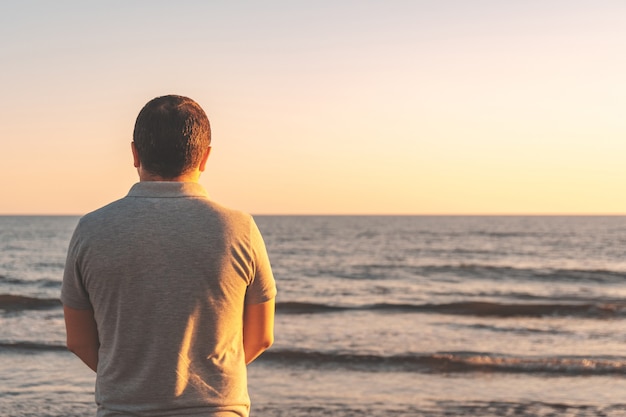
point(228, 217)
point(227, 211)
point(99, 217)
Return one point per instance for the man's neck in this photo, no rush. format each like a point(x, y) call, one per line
point(191, 176)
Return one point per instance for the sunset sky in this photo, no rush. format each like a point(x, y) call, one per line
point(324, 107)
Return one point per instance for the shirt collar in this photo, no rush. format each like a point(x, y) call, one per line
point(167, 189)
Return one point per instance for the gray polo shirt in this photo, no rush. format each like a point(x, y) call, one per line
point(167, 272)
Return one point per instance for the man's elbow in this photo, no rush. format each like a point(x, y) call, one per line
point(72, 346)
point(75, 348)
point(253, 347)
point(78, 347)
point(267, 342)
point(263, 343)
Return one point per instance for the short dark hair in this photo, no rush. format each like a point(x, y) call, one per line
point(171, 134)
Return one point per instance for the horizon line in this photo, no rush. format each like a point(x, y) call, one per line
point(369, 214)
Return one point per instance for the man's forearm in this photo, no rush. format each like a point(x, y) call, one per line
point(82, 335)
point(258, 329)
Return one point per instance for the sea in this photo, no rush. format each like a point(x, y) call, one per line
point(377, 316)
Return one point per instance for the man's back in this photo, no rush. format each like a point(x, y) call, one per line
point(167, 273)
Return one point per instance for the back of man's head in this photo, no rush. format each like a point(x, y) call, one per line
point(171, 135)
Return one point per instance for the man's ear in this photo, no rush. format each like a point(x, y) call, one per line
point(136, 161)
point(205, 158)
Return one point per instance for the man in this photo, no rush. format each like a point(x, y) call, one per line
point(168, 295)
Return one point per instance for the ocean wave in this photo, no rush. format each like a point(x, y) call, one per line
point(31, 346)
point(19, 302)
point(521, 330)
point(463, 271)
point(471, 308)
point(43, 282)
point(442, 407)
point(452, 362)
point(551, 274)
point(294, 307)
point(52, 265)
point(436, 363)
point(591, 310)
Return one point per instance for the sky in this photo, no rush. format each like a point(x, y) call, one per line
point(325, 107)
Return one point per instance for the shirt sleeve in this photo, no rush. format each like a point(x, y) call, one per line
point(262, 287)
point(73, 292)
